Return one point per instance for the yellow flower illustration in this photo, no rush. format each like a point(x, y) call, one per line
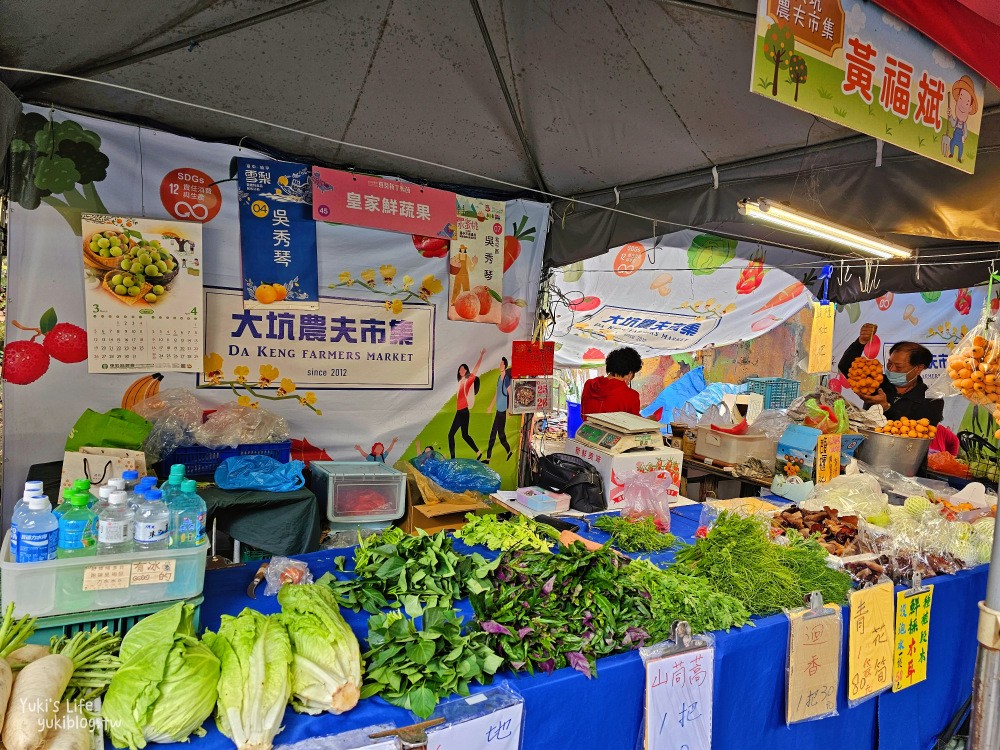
point(368, 276)
point(246, 401)
point(388, 272)
point(309, 398)
point(285, 387)
point(242, 373)
point(345, 278)
point(407, 281)
point(429, 287)
point(397, 306)
point(268, 374)
point(213, 368)
point(729, 308)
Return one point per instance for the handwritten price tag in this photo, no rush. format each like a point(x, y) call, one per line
point(813, 665)
point(913, 635)
point(821, 338)
point(154, 571)
point(870, 642)
point(679, 701)
point(106, 577)
point(500, 729)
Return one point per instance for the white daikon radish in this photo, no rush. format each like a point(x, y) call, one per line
point(34, 702)
point(72, 730)
point(25, 655)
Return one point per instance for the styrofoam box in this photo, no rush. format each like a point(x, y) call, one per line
point(359, 491)
point(733, 449)
point(617, 469)
point(56, 587)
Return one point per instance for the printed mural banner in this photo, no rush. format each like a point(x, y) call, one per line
point(382, 203)
point(476, 262)
point(143, 294)
point(937, 320)
point(345, 344)
point(390, 273)
point(685, 293)
point(859, 66)
point(277, 235)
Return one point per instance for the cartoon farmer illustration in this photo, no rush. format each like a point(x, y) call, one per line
point(460, 267)
point(964, 94)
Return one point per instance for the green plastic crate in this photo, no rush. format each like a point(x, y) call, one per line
point(115, 620)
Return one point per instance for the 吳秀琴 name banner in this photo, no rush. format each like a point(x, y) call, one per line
point(344, 344)
point(277, 235)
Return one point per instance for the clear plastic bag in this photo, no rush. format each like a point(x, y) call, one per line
point(174, 414)
point(974, 365)
point(259, 473)
point(858, 419)
point(685, 415)
point(772, 423)
point(820, 417)
point(232, 425)
point(717, 415)
point(859, 494)
point(282, 570)
point(645, 495)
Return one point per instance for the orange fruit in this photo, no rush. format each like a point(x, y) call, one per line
point(280, 292)
point(265, 294)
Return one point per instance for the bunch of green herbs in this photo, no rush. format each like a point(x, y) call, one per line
point(393, 569)
point(636, 536)
point(414, 669)
point(738, 558)
point(517, 533)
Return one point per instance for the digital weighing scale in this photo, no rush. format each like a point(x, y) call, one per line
point(618, 432)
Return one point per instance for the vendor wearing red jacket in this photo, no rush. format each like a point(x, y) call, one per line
point(612, 392)
point(903, 392)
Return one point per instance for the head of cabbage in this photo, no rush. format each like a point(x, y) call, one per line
point(166, 686)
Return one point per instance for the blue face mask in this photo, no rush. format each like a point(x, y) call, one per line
point(898, 378)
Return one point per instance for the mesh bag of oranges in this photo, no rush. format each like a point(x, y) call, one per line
point(910, 428)
point(973, 367)
point(865, 376)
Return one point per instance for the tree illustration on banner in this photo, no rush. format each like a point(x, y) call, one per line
point(779, 46)
point(797, 72)
point(50, 159)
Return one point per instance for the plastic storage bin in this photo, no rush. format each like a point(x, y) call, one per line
point(115, 620)
point(778, 393)
point(359, 492)
point(201, 461)
point(57, 587)
point(722, 448)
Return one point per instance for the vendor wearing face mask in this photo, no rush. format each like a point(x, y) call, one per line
point(903, 392)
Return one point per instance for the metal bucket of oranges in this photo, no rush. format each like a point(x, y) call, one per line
point(901, 445)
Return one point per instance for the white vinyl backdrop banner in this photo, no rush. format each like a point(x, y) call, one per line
point(372, 266)
point(685, 293)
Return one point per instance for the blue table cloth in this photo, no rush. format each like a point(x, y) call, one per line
point(567, 710)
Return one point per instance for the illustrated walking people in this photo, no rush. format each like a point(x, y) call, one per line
point(468, 387)
point(501, 401)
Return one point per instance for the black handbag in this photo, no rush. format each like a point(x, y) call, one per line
point(562, 472)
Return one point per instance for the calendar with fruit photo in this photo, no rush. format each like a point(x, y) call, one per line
point(476, 262)
point(143, 289)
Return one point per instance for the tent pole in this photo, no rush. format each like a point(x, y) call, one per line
point(985, 731)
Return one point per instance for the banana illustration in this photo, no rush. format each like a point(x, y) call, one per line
point(143, 388)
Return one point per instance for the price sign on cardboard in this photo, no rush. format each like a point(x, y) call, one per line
point(153, 571)
point(913, 635)
point(870, 642)
point(813, 664)
point(530, 359)
point(679, 700)
point(106, 577)
point(497, 730)
point(821, 338)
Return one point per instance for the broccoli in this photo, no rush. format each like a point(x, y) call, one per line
point(50, 160)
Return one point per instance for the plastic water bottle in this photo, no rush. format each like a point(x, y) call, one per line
point(65, 504)
point(152, 523)
point(103, 493)
point(37, 532)
point(171, 489)
point(115, 526)
point(137, 493)
point(31, 487)
point(77, 529)
point(20, 508)
point(117, 484)
point(131, 479)
point(187, 517)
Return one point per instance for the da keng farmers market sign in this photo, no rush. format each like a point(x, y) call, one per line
point(858, 66)
point(345, 344)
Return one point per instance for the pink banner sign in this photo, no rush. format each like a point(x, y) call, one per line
point(382, 203)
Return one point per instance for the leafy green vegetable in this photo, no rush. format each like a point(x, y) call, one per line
point(394, 569)
point(166, 686)
point(326, 665)
point(707, 252)
point(15, 633)
point(415, 669)
point(517, 533)
point(635, 536)
point(737, 557)
point(256, 682)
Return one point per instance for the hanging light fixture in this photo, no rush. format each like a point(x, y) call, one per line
point(793, 220)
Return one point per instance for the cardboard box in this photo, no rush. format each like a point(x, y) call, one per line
point(805, 457)
point(617, 469)
point(435, 516)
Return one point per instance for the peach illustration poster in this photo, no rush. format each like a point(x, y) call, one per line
point(475, 264)
point(143, 294)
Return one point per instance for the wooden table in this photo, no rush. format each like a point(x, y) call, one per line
point(710, 482)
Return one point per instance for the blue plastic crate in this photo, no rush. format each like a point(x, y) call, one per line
point(201, 461)
point(778, 393)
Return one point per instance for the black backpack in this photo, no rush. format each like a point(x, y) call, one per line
point(562, 472)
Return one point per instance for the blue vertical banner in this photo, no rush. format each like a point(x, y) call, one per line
point(277, 235)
